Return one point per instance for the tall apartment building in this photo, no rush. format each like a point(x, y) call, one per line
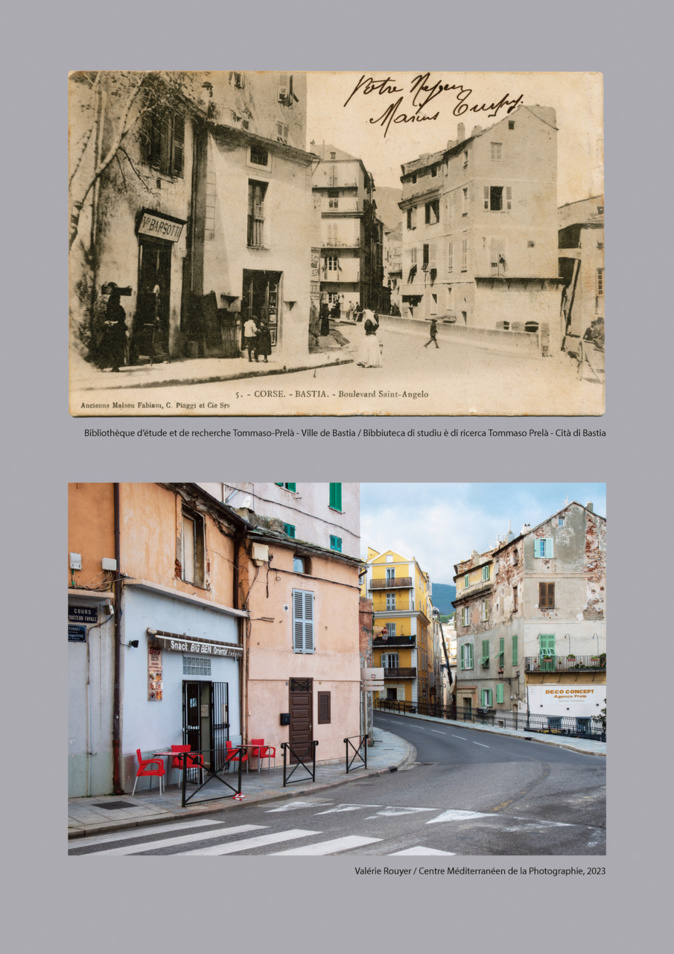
point(480, 228)
point(531, 620)
point(301, 587)
point(351, 265)
point(192, 192)
point(403, 617)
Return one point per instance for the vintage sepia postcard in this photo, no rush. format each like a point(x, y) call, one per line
point(346, 243)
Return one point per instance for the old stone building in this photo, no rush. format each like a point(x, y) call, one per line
point(531, 620)
point(480, 230)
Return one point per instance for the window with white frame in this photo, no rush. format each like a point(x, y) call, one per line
point(256, 196)
point(464, 255)
point(390, 601)
point(390, 660)
point(466, 581)
point(196, 665)
point(486, 697)
point(543, 548)
point(496, 151)
point(484, 611)
point(391, 630)
point(485, 573)
point(390, 573)
point(466, 656)
point(303, 621)
point(332, 263)
point(466, 616)
point(259, 155)
point(450, 257)
point(498, 198)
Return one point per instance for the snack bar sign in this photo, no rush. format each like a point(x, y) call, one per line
point(179, 644)
point(158, 227)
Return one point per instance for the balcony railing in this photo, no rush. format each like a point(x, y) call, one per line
point(379, 642)
point(400, 673)
point(397, 583)
point(565, 663)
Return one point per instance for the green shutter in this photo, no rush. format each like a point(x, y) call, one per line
point(462, 657)
point(514, 650)
point(336, 496)
point(485, 652)
point(290, 530)
point(336, 543)
point(501, 652)
point(499, 692)
point(547, 651)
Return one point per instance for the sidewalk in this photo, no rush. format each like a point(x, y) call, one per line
point(584, 746)
point(92, 816)
point(86, 377)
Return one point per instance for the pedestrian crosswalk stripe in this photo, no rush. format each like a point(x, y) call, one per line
point(257, 842)
point(345, 807)
point(330, 847)
point(300, 803)
point(391, 810)
point(420, 850)
point(179, 840)
point(455, 814)
point(140, 832)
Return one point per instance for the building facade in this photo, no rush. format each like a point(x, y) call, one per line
point(581, 265)
point(479, 229)
point(301, 587)
point(152, 610)
point(351, 265)
point(192, 193)
point(403, 645)
point(531, 624)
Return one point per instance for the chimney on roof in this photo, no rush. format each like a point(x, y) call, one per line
point(451, 143)
point(590, 507)
point(461, 132)
point(510, 536)
point(476, 130)
point(526, 528)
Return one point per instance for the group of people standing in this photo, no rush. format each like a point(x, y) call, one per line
point(257, 338)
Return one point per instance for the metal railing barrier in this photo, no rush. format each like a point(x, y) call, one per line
point(212, 770)
point(300, 752)
point(359, 751)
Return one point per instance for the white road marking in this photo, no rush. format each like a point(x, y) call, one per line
point(330, 847)
point(420, 850)
point(438, 731)
point(481, 743)
point(300, 803)
point(180, 840)
point(456, 814)
point(390, 811)
point(138, 833)
point(459, 737)
point(257, 842)
point(345, 807)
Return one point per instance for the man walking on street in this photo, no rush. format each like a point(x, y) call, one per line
point(434, 334)
point(250, 337)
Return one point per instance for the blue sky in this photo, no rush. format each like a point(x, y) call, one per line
point(441, 524)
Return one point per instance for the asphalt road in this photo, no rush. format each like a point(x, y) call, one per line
point(469, 793)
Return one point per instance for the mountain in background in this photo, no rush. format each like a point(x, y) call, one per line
point(387, 199)
point(442, 596)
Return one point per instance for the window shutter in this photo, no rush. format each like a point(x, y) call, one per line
point(509, 197)
point(336, 496)
point(514, 650)
point(499, 692)
point(463, 657)
point(323, 708)
point(485, 651)
point(486, 197)
point(546, 595)
point(470, 656)
point(178, 158)
point(303, 621)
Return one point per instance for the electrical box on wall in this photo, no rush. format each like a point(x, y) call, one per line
point(107, 563)
point(75, 561)
point(285, 718)
point(260, 553)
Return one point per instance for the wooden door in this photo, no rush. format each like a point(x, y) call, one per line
point(301, 715)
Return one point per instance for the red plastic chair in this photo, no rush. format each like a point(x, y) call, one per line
point(144, 770)
point(263, 752)
point(240, 756)
point(194, 761)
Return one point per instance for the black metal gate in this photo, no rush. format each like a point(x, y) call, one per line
point(219, 723)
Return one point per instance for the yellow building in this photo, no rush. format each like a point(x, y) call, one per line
point(403, 634)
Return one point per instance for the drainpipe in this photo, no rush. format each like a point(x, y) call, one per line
point(239, 538)
point(117, 635)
